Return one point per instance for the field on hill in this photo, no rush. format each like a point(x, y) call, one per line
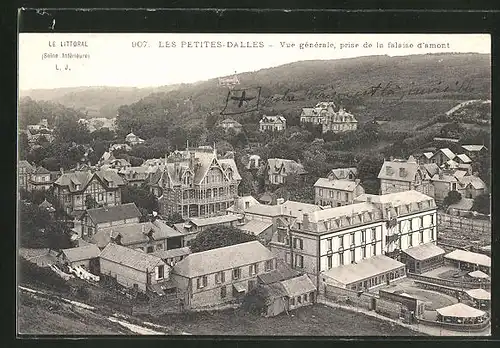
point(422, 86)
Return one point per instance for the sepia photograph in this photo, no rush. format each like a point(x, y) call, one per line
point(254, 184)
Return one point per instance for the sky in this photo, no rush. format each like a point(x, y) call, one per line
point(111, 59)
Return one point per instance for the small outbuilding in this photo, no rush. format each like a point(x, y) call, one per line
point(466, 260)
point(480, 297)
point(460, 313)
point(86, 256)
point(422, 258)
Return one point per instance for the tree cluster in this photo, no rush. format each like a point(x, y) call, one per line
point(218, 237)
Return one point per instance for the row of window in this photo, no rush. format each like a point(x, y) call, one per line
point(374, 281)
point(335, 194)
point(220, 277)
point(353, 255)
point(208, 193)
point(302, 298)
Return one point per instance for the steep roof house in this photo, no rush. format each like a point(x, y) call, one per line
point(402, 175)
point(24, 170)
point(272, 123)
point(336, 192)
point(279, 169)
point(147, 236)
point(195, 183)
point(229, 123)
point(93, 220)
point(132, 268)
point(220, 275)
point(72, 189)
point(442, 156)
point(350, 173)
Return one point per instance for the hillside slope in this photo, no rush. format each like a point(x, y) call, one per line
point(404, 89)
point(94, 101)
point(410, 89)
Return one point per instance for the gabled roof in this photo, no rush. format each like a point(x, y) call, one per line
point(298, 286)
point(114, 213)
point(46, 205)
point(41, 170)
point(272, 119)
point(427, 155)
point(81, 253)
point(108, 177)
point(230, 163)
point(474, 181)
point(241, 202)
point(447, 152)
point(399, 170)
point(470, 257)
point(424, 251)
point(134, 233)
point(25, 164)
point(432, 169)
point(343, 173)
point(474, 148)
point(276, 166)
point(341, 185)
point(226, 258)
point(131, 258)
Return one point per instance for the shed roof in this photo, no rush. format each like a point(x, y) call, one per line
point(81, 253)
point(130, 258)
point(216, 260)
point(479, 294)
point(255, 227)
point(464, 158)
point(114, 213)
point(298, 286)
point(355, 272)
point(460, 310)
point(469, 257)
point(424, 251)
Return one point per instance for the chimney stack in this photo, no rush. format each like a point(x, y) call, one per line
point(62, 170)
point(391, 158)
point(475, 174)
point(305, 221)
point(369, 199)
point(440, 173)
point(357, 181)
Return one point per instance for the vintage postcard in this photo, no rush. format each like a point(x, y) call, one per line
point(254, 184)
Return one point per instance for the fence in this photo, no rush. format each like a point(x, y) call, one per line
point(456, 327)
point(448, 282)
point(367, 301)
point(464, 224)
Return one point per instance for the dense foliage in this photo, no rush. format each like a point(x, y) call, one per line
point(143, 199)
point(482, 204)
point(218, 237)
point(452, 198)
